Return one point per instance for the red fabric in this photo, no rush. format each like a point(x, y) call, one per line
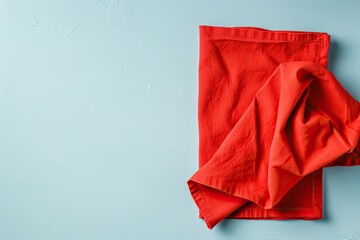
point(271, 116)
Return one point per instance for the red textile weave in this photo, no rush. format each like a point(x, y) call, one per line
point(271, 116)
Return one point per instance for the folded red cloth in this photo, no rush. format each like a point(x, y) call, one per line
point(271, 116)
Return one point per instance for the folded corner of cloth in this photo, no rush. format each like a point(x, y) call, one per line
point(270, 117)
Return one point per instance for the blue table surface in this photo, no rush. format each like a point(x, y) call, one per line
point(98, 117)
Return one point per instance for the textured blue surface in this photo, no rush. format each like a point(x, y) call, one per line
point(98, 117)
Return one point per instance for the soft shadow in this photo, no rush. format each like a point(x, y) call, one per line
point(325, 199)
point(333, 52)
point(226, 227)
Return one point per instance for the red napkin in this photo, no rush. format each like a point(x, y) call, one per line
point(271, 116)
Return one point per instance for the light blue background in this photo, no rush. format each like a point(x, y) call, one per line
point(98, 117)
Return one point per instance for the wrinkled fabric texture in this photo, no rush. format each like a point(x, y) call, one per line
point(270, 117)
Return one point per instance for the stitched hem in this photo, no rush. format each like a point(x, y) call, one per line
point(263, 35)
point(311, 212)
point(200, 202)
